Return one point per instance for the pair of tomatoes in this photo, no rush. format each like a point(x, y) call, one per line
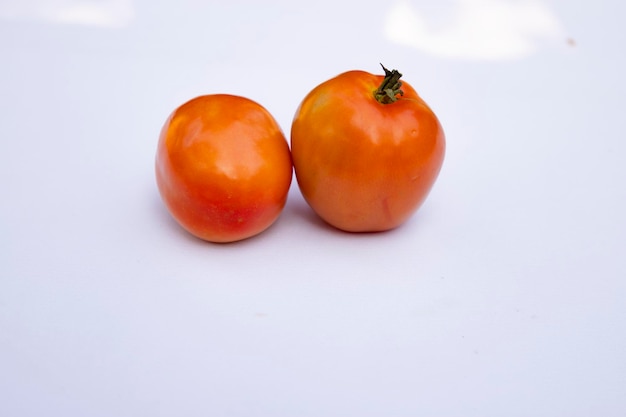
point(366, 150)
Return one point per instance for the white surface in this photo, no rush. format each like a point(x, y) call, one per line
point(504, 296)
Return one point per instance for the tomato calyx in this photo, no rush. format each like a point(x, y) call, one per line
point(390, 87)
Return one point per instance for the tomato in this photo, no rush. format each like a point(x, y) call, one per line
point(223, 167)
point(365, 152)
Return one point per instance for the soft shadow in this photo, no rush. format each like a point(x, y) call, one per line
point(301, 210)
point(298, 209)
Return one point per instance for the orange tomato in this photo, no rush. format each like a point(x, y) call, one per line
point(223, 167)
point(365, 152)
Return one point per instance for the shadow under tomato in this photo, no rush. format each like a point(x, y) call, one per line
point(300, 210)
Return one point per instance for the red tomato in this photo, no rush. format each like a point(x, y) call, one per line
point(223, 167)
point(366, 153)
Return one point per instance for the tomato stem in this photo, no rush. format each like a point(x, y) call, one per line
point(390, 87)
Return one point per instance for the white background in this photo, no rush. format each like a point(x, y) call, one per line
point(503, 296)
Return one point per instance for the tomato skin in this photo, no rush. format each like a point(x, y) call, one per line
point(361, 165)
point(223, 167)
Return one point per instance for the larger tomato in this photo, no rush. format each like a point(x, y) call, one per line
point(366, 150)
point(223, 167)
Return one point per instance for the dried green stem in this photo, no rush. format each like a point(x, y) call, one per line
point(389, 89)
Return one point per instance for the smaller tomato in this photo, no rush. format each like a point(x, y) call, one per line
point(366, 153)
point(223, 167)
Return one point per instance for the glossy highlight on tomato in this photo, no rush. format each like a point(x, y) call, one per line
point(223, 167)
point(366, 150)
